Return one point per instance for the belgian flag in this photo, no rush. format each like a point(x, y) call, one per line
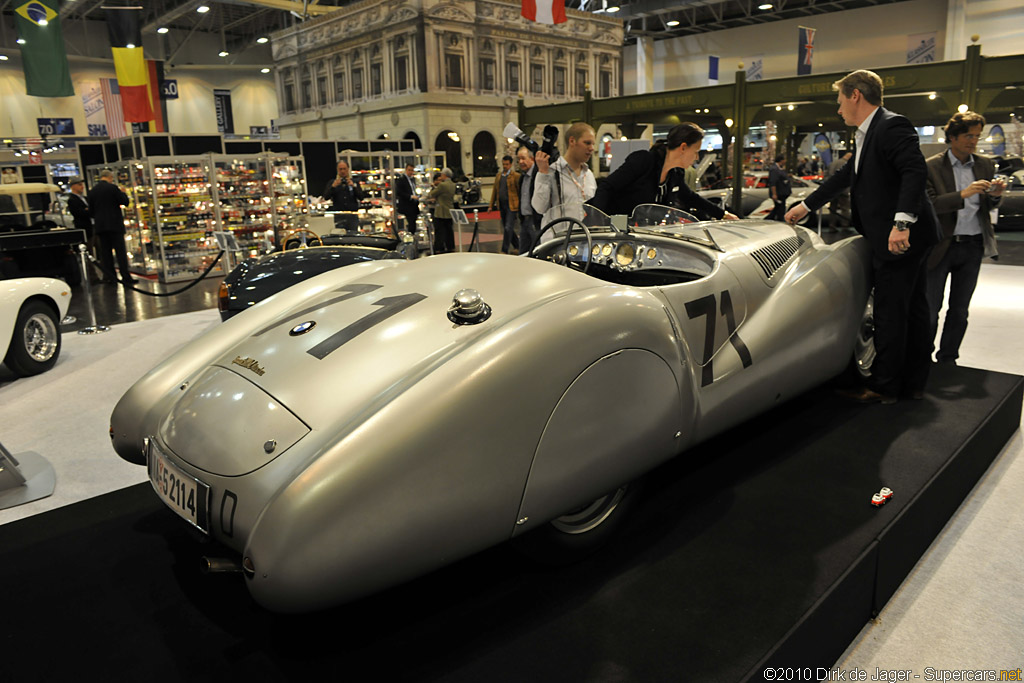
point(129, 63)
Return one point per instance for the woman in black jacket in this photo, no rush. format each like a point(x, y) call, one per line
point(655, 176)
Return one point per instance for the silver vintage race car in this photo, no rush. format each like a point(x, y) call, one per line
point(382, 420)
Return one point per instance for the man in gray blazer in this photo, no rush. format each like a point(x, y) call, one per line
point(961, 188)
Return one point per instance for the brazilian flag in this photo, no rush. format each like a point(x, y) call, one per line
point(42, 54)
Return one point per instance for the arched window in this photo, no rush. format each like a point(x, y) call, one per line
point(448, 141)
point(484, 152)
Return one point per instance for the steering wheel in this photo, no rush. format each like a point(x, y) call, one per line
point(573, 222)
point(295, 232)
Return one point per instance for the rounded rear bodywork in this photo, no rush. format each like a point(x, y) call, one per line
point(352, 436)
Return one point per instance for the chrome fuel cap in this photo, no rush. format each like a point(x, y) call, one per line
point(468, 308)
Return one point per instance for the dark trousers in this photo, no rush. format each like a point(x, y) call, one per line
point(111, 243)
point(778, 211)
point(960, 265)
point(902, 326)
point(410, 220)
point(527, 232)
point(444, 235)
point(508, 227)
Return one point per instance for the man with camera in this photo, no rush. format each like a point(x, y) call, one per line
point(345, 195)
point(963, 196)
point(565, 181)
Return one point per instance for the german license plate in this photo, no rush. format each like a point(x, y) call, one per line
point(186, 495)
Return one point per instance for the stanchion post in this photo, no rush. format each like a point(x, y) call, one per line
point(95, 328)
point(476, 227)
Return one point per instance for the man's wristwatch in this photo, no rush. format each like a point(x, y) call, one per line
point(902, 226)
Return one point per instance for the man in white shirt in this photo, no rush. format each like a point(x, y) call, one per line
point(568, 182)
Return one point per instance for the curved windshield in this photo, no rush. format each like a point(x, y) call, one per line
point(656, 215)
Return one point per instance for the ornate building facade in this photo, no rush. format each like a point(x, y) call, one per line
point(447, 73)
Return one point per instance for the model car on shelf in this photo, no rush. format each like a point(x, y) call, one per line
point(306, 254)
point(31, 309)
point(381, 420)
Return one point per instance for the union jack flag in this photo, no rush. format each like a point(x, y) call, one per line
point(805, 46)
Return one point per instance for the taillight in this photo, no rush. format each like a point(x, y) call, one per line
point(222, 297)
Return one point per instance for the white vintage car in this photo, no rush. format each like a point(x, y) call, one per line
point(31, 309)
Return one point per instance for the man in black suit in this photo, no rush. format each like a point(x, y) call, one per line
point(527, 216)
point(105, 201)
point(78, 207)
point(960, 184)
point(406, 201)
point(891, 210)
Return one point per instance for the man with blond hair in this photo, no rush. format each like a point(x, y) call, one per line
point(891, 210)
point(569, 181)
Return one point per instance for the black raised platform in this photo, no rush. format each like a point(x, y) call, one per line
point(760, 548)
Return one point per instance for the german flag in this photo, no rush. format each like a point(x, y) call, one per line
point(129, 63)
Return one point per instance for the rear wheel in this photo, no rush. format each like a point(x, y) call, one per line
point(35, 344)
point(864, 346)
point(579, 532)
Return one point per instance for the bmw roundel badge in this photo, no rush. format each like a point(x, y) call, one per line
point(302, 328)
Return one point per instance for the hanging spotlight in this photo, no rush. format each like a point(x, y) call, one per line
point(202, 9)
point(223, 53)
point(163, 29)
point(3, 58)
point(265, 70)
point(20, 41)
point(262, 39)
point(672, 24)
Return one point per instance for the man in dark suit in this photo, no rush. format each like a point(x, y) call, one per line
point(78, 207)
point(406, 201)
point(892, 211)
point(961, 188)
point(105, 201)
point(527, 217)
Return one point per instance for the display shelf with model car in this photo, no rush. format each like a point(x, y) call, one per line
point(177, 203)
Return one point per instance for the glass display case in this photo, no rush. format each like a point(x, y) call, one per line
point(177, 203)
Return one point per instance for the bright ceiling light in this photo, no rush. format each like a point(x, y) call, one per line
point(20, 41)
point(222, 53)
point(202, 9)
point(43, 22)
point(932, 96)
point(765, 6)
point(672, 23)
point(962, 108)
point(265, 70)
point(130, 46)
point(163, 29)
point(262, 39)
point(790, 107)
point(613, 8)
point(3, 58)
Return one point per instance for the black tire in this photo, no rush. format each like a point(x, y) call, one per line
point(580, 532)
point(35, 343)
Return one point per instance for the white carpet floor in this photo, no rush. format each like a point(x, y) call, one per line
point(961, 608)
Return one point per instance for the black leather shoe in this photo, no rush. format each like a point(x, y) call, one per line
point(865, 395)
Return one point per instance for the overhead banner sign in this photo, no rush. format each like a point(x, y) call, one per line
point(998, 140)
point(222, 103)
point(805, 48)
point(56, 126)
point(169, 89)
point(755, 71)
point(921, 48)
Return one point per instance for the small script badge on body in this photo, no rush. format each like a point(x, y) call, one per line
point(249, 364)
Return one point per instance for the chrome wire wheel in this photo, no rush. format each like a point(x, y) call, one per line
point(864, 347)
point(41, 339)
point(589, 516)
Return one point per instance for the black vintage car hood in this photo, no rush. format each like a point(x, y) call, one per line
point(257, 279)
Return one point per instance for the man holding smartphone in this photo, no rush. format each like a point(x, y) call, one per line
point(964, 191)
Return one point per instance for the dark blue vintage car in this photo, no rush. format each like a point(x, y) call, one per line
point(256, 279)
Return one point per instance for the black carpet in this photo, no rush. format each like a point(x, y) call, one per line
point(758, 548)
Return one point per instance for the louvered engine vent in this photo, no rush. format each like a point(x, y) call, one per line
point(774, 256)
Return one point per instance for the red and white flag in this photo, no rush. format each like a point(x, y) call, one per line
point(544, 11)
point(112, 107)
